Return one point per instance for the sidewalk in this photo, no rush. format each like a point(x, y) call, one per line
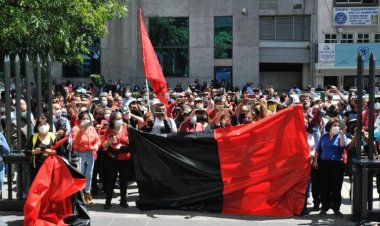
point(117, 216)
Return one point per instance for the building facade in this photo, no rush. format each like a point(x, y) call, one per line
point(345, 29)
point(261, 41)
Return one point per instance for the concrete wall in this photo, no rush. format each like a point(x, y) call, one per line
point(121, 51)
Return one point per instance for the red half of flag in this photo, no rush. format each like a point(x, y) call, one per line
point(152, 66)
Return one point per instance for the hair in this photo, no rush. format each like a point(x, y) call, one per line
point(41, 120)
point(330, 123)
point(111, 124)
point(82, 113)
point(148, 115)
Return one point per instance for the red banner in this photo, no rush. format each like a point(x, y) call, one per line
point(265, 166)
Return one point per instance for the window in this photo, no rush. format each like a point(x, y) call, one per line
point(223, 75)
point(363, 38)
point(347, 38)
point(330, 38)
point(170, 39)
point(223, 37)
point(285, 28)
point(356, 2)
point(90, 65)
point(377, 38)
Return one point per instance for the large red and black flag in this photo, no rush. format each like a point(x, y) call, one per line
point(257, 169)
point(54, 196)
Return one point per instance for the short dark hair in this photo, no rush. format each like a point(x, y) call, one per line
point(82, 113)
point(330, 123)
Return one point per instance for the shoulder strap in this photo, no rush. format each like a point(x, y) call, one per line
point(34, 140)
point(52, 136)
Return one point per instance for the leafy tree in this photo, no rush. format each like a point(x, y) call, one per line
point(65, 29)
point(223, 43)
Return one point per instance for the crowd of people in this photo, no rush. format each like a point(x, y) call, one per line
point(96, 121)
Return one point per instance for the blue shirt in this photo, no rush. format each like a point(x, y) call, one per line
point(330, 147)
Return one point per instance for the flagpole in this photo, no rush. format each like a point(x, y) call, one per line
point(147, 89)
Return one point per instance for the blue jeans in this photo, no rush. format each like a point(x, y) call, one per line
point(86, 165)
point(2, 171)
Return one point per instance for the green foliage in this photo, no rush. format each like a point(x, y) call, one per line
point(63, 28)
point(97, 80)
point(223, 41)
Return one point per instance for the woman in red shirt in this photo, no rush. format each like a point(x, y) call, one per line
point(86, 143)
point(118, 158)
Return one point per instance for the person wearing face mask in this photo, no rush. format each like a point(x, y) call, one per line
point(126, 98)
point(86, 142)
point(118, 159)
point(148, 122)
point(329, 161)
point(190, 124)
point(39, 145)
point(365, 117)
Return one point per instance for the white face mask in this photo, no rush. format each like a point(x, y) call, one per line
point(43, 129)
point(199, 106)
point(107, 116)
point(85, 122)
point(118, 122)
point(377, 106)
point(335, 130)
point(128, 95)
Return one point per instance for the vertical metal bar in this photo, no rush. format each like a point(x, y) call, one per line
point(370, 191)
point(49, 93)
point(39, 87)
point(8, 107)
point(18, 98)
point(359, 82)
point(18, 122)
point(364, 193)
point(9, 176)
point(28, 95)
point(371, 106)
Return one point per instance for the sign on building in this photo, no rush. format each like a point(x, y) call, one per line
point(356, 16)
point(326, 55)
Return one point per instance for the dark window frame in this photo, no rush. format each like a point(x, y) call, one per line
point(173, 50)
point(354, 4)
point(228, 49)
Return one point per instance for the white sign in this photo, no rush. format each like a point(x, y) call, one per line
point(326, 55)
point(349, 16)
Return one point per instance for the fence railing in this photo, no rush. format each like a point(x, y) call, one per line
point(365, 169)
point(18, 127)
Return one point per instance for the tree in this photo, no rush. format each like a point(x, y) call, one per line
point(65, 29)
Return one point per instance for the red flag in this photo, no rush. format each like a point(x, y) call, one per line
point(49, 198)
point(152, 67)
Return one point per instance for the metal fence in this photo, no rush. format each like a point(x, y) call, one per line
point(14, 130)
point(365, 169)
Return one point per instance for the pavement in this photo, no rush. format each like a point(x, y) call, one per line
point(118, 216)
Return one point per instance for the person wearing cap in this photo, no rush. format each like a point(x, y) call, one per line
point(133, 114)
point(272, 106)
point(198, 103)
